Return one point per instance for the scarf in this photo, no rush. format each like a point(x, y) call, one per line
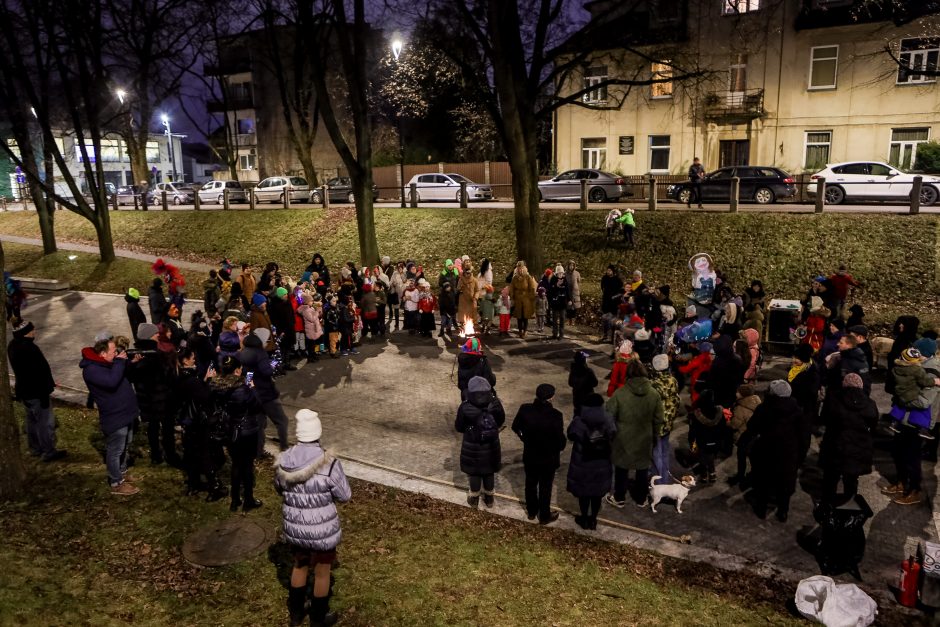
point(795, 371)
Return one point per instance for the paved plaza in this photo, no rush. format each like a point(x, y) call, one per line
point(390, 410)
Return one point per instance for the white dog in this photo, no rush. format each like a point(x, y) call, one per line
point(675, 491)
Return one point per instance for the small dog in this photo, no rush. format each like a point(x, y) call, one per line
point(675, 491)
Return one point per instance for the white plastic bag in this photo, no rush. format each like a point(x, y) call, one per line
point(835, 605)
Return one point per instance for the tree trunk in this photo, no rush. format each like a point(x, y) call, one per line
point(105, 239)
point(47, 214)
point(310, 172)
point(139, 169)
point(525, 191)
point(365, 221)
point(12, 468)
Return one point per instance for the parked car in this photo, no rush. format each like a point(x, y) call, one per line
point(273, 188)
point(762, 184)
point(126, 194)
point(176, 193)
point(447, 187)
point(602, 186)
point(214, 191)
point(340, 191)
point(872, 180)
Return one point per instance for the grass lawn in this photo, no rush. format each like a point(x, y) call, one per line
point(895, 256)
point(74, 555)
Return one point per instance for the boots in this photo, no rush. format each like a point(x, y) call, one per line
point(320, 614)
point(473, 499)
point(488, 498)
point(297, 605)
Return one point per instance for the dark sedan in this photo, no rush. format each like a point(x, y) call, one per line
point(340, 191)
point(762, 184)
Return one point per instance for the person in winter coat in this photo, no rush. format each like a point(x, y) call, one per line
point(643, 346)
point(103, 370)
point(282, 320)
point(542, 430)
point(697, 369)
point(230, 341)
point(449, 275)
point(741, 414)
point(479, 419)
point(581, 379)
point(668, 389)
point(559, 299)
point(726, 372)
point(756, 296)
point(638, 410)
point(840, 283)
point(253, 358)
point(157, 301)
point(589, 469)
point(467, 289)
point(370, 310)
point(775, 452)
point(574, 280)
point(753, 319)
point(804, 381)
point(752, 337)
point(211, 292)
point(850, 358)
point(311, 481)
point(860, 333)
point(34, 387)
point(313, 328)
point(905, 334)
point(522, 294)
point(847, 448)
point(152, 377)
point(135, 315)
point(347, 323)
point(541, 309)
point(396, 289)
point(259, 318)
point(318, 265)
point(618, 373)
point(707, 434)
point(856, 316)
point(611, 290)
point(202, 454)
point(447, 305)
point(471, 362)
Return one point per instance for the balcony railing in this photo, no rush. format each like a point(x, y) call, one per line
point(730, 107)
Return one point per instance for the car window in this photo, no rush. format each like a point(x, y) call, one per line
point(458, 178)
point(720, 175)
point(426, 178)
point(233, 185)
point(591, 174)
point(567, 176)
point(296, 180)
point(334, 182)
point(852, 168)
point(879, 169)
point(768, 172)
point(443, 180)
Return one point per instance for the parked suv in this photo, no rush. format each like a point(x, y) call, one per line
point(762, 184)
point(214, 191)
point(273, 188)
point(447, 187)
point(176, 193)
point(872, 180)
point(602, 186)
point(340, 191)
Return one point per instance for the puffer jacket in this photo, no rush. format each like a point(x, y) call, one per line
point(910, 381)
point(589, 475)
point(741, 414)
point(229, 344)
point(752, 336)
point(477, 457)
point(313, 330)
point(110, 389)
point(311, 481)
point(255, 359)
point(152, 379)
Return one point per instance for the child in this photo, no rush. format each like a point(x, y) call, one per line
point(629, 224)
point(331, 325)
point(410, 303)
point(487, 309)
point(541, 309)
point(505, 311)
point(912, 398)
point(448, 307)
point(618, 374)
point(426, 306)
point(313, 329)
point(381, 298)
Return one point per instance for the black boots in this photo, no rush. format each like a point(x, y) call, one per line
point(320, 614)
point(297, 605)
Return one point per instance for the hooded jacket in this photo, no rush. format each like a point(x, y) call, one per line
point(311, 482)
point(582, 381)
point(313, 329)
point(33, 374)
point(752, 337)
point(259, 319)
point(135, 315)
point(727, 372)
point(157, 303)
point(741, 414)
point(847, 446)
point(910, 381)
point(477, 457)
point(638, 410)
point(589, 474)
point(255, 359)
point(471, 365)
point(318, 265)
point(774, 430)
point(110, 389)
point(152, 379)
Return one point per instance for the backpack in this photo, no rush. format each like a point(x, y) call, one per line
point(486, 428)
point(596, 445)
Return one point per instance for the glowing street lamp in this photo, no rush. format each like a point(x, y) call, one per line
point(169, 135)
point(121, 94)
point(397, 46)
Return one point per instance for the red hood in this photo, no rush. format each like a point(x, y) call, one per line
point(89, 353)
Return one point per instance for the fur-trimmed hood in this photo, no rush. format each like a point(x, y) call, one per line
point(300, 462)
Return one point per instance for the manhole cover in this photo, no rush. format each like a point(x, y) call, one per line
point(225, 542)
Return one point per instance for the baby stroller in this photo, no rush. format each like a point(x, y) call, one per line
point(614, 228)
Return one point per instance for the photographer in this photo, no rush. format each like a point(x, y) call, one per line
point(255, 360)
point(202, 454)
point(152, 378)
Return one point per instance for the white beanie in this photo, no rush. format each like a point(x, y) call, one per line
point(559, 270)
point(660, 362)
point(626, 347)
point(386, 260)
point(641, 335)
point(262, 334)
point(309, 428)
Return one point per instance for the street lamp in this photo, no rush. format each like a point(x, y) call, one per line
point(169, 135)
point(397, 45)
point(120, 93)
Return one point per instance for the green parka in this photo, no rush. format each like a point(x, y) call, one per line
point(637, 409)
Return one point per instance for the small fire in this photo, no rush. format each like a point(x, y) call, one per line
point(467, 329)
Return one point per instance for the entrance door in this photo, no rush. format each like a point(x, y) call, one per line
point(733, 152)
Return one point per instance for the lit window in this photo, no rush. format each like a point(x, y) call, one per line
point(823, 67)
point(662, 72)
point(732, 7)
point(247, 161)
point(594, 153)
point(592, 77)
point(918, 60)
point(153, 152)
point(817, 148)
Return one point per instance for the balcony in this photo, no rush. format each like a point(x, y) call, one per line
point(733, 107)
point(234, 104)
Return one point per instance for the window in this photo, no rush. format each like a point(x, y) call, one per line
point(247, 161)
point(879, 169)
point(915, 56)
point(153, 152)
point(823, 65)
point(852, 168)
point(903, 151)
point(662, 72)
point(659, 153)
point(733, 7)
point(817, 148)
point(110, 150)
point(594, 153)
point(246, 126)
point(594, 76)
point(240, 91)
point(737, 74)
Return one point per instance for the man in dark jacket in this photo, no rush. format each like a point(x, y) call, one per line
point(34, 385)
point(282, 318)
point(254, 359)
point(804, 387)
point(157, 300)
point(153, 380)
point(471, 362)
point(727, 372)
point(850, 359)
point(103, 370)
point(135, 315)
point(847, 449)
point(559, 297)
point(541, 429)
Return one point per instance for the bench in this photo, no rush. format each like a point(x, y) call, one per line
point(42, 285)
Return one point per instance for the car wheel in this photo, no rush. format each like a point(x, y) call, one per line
point(280, 199)
point(928, 195)
point(686, 196)
point(351, 198)
point(316, 198)
point(597, 194)
point(834, 195)
point(763, 196)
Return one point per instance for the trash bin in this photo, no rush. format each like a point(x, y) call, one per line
point(782, 316)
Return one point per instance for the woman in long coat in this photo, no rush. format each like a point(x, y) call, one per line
point(590, 469)
point(467, 289)
point(574, 281)
point(522, 293)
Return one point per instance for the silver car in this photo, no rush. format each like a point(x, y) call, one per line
point(447, 187)
point(273, 188)
point(214, 191)
point(176, 193)
point(602, 186)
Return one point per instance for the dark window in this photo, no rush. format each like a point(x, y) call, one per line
point(852, 168)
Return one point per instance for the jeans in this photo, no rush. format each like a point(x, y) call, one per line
point(115, 456)
point(40, 426)
point(639, 489)
point(488, 483)
point(447, 322)
point(662, 452)
point(538, 491)
point(275, 412)
point(558, 324)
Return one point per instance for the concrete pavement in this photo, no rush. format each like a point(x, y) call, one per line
point(390, 410)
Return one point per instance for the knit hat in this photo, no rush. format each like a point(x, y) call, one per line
point(133, 293)
point(911, 356)
point(104, 336)
point(280, 292)
point(386, 260)
point(545, 391)
point(423, 283)
point(838, 323)
point(705, 347)
point(665, 290)
point(560, 270)
point(146, 331)
point(309, 428)
point(262, 334)
point(465, 258)
point(815, 304)
point(852, 380)
point(642, 335)
point(691, 311)
point(660, 363)
point(858, 329)
point(780, 388)
point(803, 352)
point(478, 384)
point(22, 329)
point(258, 299)
point(626, 348)
point(473, 347)
point(926, 346)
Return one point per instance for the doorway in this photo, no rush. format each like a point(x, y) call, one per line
point(733, 152)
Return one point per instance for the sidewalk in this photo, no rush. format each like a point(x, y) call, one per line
point(390, 411)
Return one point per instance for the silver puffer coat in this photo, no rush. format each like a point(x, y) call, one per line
point(311, 482)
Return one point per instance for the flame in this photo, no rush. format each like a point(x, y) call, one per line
point(467, 330)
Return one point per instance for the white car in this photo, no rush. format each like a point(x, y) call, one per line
point(176, 193)
point(872, 180)
point(214, 191)
point(273, 189)
point(447, 187)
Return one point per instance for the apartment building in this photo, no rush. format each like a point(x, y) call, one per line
point(790, 83)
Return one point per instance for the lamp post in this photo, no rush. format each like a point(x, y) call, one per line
point(397, 45)
point(169, 136)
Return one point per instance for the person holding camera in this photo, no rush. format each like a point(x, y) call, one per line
point(202, 453)
point(152, 378)
point(255, 359)
point(479, 419)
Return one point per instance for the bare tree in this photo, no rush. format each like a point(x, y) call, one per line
point(12, 468)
